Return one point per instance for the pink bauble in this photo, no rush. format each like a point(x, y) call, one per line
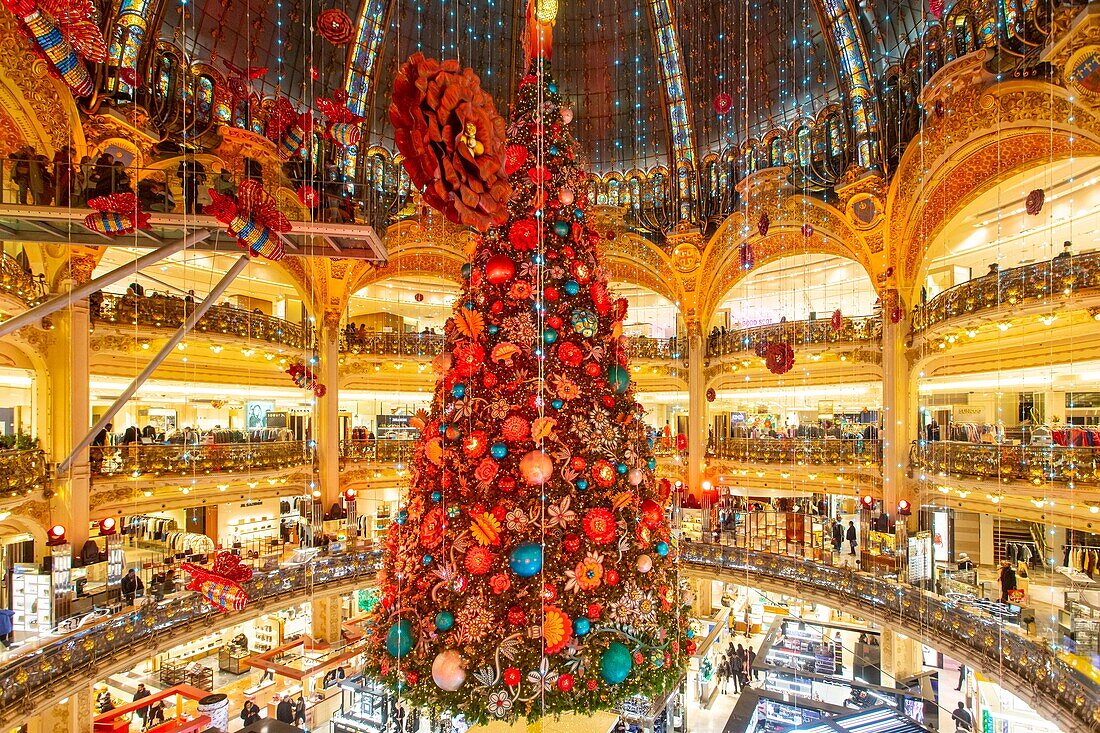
point(536, 467)
point(567, 115)
point(636, 476)
point(448, 670)
point(645, 563)
point(566, 196)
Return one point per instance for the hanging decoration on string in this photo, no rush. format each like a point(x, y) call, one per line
point(936, 7)
point(746, 256)
point(723, 103)
point(63, 34)
point(252, 218)
point(1034, 203)
point(764, 224)
point(281, 116)
point(305, 378)
point(838, 320)
point(220, 584)
point(711, 394)
point(344, 126)
point(531, 569)
point(807, 230)
point(335, 26)
point(779, 358)
point(239, 80)
point(116, 214)
point(452, 140)
point(294, 137)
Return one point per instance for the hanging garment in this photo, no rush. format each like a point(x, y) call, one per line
point(1010, 552)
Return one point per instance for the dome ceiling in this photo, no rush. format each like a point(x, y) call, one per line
point(773, 59)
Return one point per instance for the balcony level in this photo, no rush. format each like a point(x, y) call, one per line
point(800, 465)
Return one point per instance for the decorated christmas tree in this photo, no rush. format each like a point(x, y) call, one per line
point(531, 569)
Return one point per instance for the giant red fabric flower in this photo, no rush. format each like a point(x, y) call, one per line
point(468, 357)
point(431, 528)
point(524, 234)
point(335, 26)
point(599, 525)
point(453, 141)
point(780, 358)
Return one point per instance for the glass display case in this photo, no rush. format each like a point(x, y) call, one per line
point(364, 706)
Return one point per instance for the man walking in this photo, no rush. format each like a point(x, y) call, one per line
point(851, 536)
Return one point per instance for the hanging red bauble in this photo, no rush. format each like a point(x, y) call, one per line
point(763, 224)
point(335, 26)
point(1035, 201)
point(723, 103)
point(807, 230)
point(896, 314)
point(539, 174)
point(711, 394)
point(936, 8)
point(838, 319)
point(419, 297)
point(500, 269)
point(747, 256)
point(610, 234)
point(308, 196)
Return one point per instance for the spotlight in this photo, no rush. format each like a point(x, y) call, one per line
point(349, 495)
point(108, 526)
point(905, 508)
point(868, 501)
point(55, 535)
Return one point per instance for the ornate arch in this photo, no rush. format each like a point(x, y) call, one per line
point(995, 130)
point(633, 259)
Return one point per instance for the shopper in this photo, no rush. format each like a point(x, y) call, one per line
point(250, 712)
point(300, 712)
point(131, 586)
point(962, 717)
point(103, 701)
point(1007, 577)
point(962, 678)
point(838, 536)
point(965, 563)
point(750, 670)
point(284, 711)
point(851, 536)
point(140, 694)
point(155, 715)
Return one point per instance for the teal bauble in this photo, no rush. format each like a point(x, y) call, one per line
point(444, 620)
point(499, 450)
point(618, 378)
point(561, 228)
point(549, 335)
point(572, 287)
point(459, 391)
point(526, 560)
point(552, 88)
point(581, 484)
point(652, 463)
point(615, 663)
point(557, 404)
point(621, 469)
point(662, 549)
point(399, 639)
point(585, 323)
point(493, 329)
point(467, 270)
point(581, 626)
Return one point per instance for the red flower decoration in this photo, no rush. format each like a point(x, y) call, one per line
point(512, 676)
point(515, 429)
point(524, 234)
point(486, 470)
point(723, 103)
point(780, 358)
point(468, 357)
point(570, 354)
point(431, 527)
point(500, 583)
point(711, 394)
point(514, 158)
point(479, 560)
point(565, 682)
point(838, 320)
point(599, 525)
point(1035, 201)
point(517, 616)
point(335, 26)
point(453, 141)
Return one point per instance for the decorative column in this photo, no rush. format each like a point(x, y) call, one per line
point(697, 415)
point(73, 714)
point(327, 431)
point(898, 404)
point(325, 619)
point(70, 417)
point(902, 656)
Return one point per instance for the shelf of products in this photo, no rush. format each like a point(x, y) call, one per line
point(32, 601)
point(783, 533)
point(269, 633)
point(691, 524)
point(204, 646)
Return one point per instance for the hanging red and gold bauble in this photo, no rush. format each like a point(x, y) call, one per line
point(838, 319)
point(711, 394)
point(723, 103)
point(1035, 201)
point(500, 269)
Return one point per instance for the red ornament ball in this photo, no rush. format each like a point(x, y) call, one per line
point(512, 676)
point(554, 321)
point(711, 394)
point(591, 685)
point(570, 354)
point(500, 269)
point(571, 543)
point(419, 297)
point(578, 464)
point(652, 514)
point(608, 401)
point(723, 103)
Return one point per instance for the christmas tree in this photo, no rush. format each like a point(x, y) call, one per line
point(531, 569)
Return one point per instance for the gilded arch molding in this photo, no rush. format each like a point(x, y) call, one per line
point(994, 130)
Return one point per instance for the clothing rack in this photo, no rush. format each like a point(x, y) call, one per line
point(1022, 551)
point(1076, 437)
point(1082, 558)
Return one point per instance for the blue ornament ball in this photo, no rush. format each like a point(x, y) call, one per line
point(572, 287)
point(618, 378)
point(549, 335)
point(662, 549)
point(561, 228)
point(526, 560)
point(615, 663)
point(427, 559)
point(444, 620)
point(459, 390)
point(557, 404)
point(582, 484)
point(552, 88)
point(499, 450)
point(554, 150)
point(581, 626)
point(467, 270)
point(402, 516)
point(578, 214)
point(436, 496)
point(537, 259)
point(493, 329)
point(442, 428)
point(469, 305)
point(652, 463)
point(399, 639)
point(621, 469)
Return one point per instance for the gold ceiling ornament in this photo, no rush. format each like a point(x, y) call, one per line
point(546, 10)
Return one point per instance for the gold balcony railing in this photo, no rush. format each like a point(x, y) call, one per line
point(1035, 464)
point(800, 451)
point(19, 282)
point(168, 311)
point(1034, 283)
point(196, 460)
point(796, 333)
point(380, 451)
point(430, 344)
point(22, 471)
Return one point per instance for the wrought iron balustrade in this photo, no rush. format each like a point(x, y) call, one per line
point(22, 471)
point(380, 451)
point(796, 333)
point(196, 460)
point(1035, 464)
point(166, 311)
point(800, 451)
point(430, 344)
point(1035, 283)
point(19, 282)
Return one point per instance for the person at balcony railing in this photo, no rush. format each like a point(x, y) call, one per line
point(64, 180)
point(30, 173)
point(192, 175)
point(224, 185)
point(153, 195)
